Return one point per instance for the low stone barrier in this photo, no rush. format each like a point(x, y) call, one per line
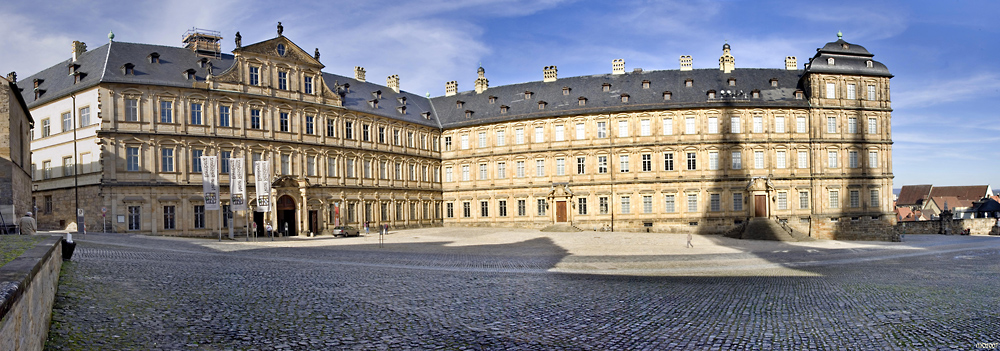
point(27, 290)
point(976, 226)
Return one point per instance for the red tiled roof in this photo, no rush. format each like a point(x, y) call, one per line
point(968, 192)
point(910, 195)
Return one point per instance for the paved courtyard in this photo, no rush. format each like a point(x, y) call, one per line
point(496, 289)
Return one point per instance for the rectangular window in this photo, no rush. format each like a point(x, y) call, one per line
point(447, 143)
point(366, 133)
point(831, 124)
point(803, 159)
point(800, 124)
point(331, 127)
point(715, 202)
point(581, 132)
point(519, 136)
point(831, 157)
point(167, 160)
point(310, 124)
point(307, 84)
point(734, 125)
point(348, 130)
point(647, 162)
point(349, 168)
point(381, 135)
point(834, 199)
point(465, 173)
point(644, 128)
point(872, 126)
point(602, 164)
point(134, 218)
point(689, 125)
point(68, 168)
point(283, 80)
point(669, 205)
point(852, 159)
point(483, 172)
point(331, 166)
point(166, 112)
point(782, 200)
point(602, 130)
point(522, 208)
point(169, 217)
point(539, 134)
point(311, 166)
point(46, 169)
point(254, 119)
point(855, 198)
point(132, 112)
point(196, 160)
point(581, 165)
point(254, 75)
point(692, 202)
point(67, 122)
point(874, 198)
point(482, 139)
point(560, 133)
point(501, 170)
point(132, 157)
point(737, 160)
point(803, 200)
point(647, 204)
point(758, 124)
point(224, 116)
point(692, 161)
point(199, 216)
point(195, 113)
point(713, 160)
point(224, 157)
point(737, 201)
point(501, 138)
point(447, 175)
point(541, 205)
point(395, 137)
point(758, 159)
point(780, 159)
point(871, 92)
point(779, 124)
point(602, 204)
point(502, 208)
point(520, 169)
point(622, 129)
point(713, 125)
point(626, 205)
point(286, 164)
point(668, 161)
point(539, 168)
point(449, 210)
point(466, 209)
point(872, 159)
point(852, 91)
point(623, 163)
point(484, 208)
point(581, 205)
point(668, 126)
point(465, 141)
point(560, 166)
point(831, 91)
point(85, 116)
point(852, 125)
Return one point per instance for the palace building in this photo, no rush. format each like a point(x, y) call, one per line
point(685, 150)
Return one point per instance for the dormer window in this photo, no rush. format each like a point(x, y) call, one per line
point(401, 100)
point(583, 101)
point(645, 84)
point(377, 94)
point(373, 103)
point(774, 82)
point(541, 105)
point(189, 74)
point(869, 64)
point(689, 82)
point(798, 94)
point(732, 82)
point(493, 99)
point(73, 67)
point(711, 94)
point(78, 77)
point(566, 90)
point(459, 104)
point(829, 61)
point(468, 114)
point(128, 69)
point(624, 97)
point(503, 108)
point(154, 58)
point(755, 93)
point(426, 115)
point(203, 62)
point(667, 95)
point(401, 110)
point(527, 95)
point(606, 87)
point(845, 46)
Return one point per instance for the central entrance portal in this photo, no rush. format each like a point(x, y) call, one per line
point(760, 205)
point(560, 211)
point(286, 216)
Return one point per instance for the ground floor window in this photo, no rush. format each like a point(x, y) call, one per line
point(227, 215)
point(350, 213)
point(449, 210)
point(484, 209)
point(626, 204)
point(199, 216)
point(48, 204)
point(134, 218)
point(522, 207)
point(603, 204)
point(466, 209)
point(581, 205)
point(541, 207)
point(502, 207)
point(169, 217)
point(737, 202)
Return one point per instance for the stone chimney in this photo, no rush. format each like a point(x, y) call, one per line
point(618, 66)
point(481, 83)
point(549, 74)
point(686, 62)
point(790, 63)
point(450, 88)
point(359, 73)
point(79, 48)
point(393, 82)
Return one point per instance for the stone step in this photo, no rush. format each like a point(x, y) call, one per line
point(561, 228)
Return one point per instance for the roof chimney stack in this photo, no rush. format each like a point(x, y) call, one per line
point(481, 83)
point(618, 66)
point(790, 63)
point(450, 88)
point(686, 62)
point(359, 73)
point(79, 48)
point(393, 82)
point(549, 74)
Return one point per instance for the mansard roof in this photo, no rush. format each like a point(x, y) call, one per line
point(847, 59)
point(477, 109)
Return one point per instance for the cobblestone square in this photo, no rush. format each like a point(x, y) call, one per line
point(496, 289)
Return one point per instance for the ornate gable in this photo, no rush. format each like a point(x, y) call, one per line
point(280, 49)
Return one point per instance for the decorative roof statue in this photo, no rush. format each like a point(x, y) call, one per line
point(281, 29)
point(239, 40)
point(316, 54)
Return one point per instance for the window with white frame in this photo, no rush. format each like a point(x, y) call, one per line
point(713, 125)
point(131, 110)
point(713, 160)
point(622, 129)
point(852, 125)
point(519, 136)
point(644, 128)
point(872, 159)
point(873, 197)
point(311, 166)
point(871, 92)
point(735, 125)
point(286, 164)
point(331, 166)
point(647, 204)
point(803, 159)
point(855, 197)
point(737, 160)
point(831, 157)
point(520, 169)
point(779, 124)
point(482, 139)
point(780, 159)
point(852, 91)
point(539, 134)
point(668, 204)
point(692, 202)
point(623, 163)
point(668, 161)
point(758, 159)
point(560, 166)
point(483, 172)
point(834, 198)
point(465, 173)
point(602, 164)
point(626, 204)
point(800, 124)
point(132, 159)
point(196, 160)
point(602, 130)
point(758, 124)
point(580, 131)
point(581, 165)
point(715, 202)
point(560, 132)
point(447, 175)
point(166, 112)
point(542, 205)
point(831, 124)
point(581, 206)
point(692, 161)
point(689, 125)
point(465, 141)
point(852, 159)
point(539, 168)
point(803, 200)
point(782, 200)
point(647, 162)
point(501, 170)
point(501, 138)
point(872, 125)
point(831, 90)
point(737, 201)
point(167, 160)
point(668, 126)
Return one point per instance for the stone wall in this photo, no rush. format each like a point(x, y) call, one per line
point(976, 226)
point(63, 215)
point(854, 228)
point(27, 291)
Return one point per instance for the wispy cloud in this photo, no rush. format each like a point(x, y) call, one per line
point(929, 93)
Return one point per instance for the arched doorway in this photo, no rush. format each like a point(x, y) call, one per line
point(286, 215)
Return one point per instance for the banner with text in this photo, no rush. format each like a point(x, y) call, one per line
point(262, 177)
point(210, 181)
point(237, 185)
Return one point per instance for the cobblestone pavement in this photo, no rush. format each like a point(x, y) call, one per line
point(460, 290)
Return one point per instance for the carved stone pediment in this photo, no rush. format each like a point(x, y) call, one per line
point(286, 182)
point(560, 191)
point(760, 184)
point(268, 49)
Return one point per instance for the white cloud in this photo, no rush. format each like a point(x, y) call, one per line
point(931, 93)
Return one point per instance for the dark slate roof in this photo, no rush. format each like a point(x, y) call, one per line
point(174, 61)
point(640, 99)
point(359, 94)
point(56, 81)
point(853, 60)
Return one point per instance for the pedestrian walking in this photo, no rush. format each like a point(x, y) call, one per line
point(268, 228)
point(27, 224)
point(366, 227)
point(689, 240)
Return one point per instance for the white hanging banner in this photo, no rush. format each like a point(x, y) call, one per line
point(237, 185)
point(262, 177)
point(210, 181)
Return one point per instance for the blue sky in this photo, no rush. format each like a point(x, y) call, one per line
point(944, 54)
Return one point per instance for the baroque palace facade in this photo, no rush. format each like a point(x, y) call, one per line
point(688, 150)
